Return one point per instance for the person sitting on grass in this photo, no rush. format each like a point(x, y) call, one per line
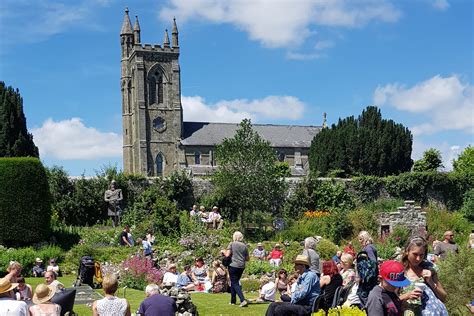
point(220, 278)
point(156, 304)
point(199, 272)
point(267, 290)
point(38, 269)
point(25, 292)
point(302, 299)
point(42, 299)
point(276, 256)
point(53, 266)
point(171, 276)
point(50, 279)
point(290, 287)
point(110, 305)
point(281, 282)
point(185, 280)
point(7, 303)
point(383, 299)
point(14, 271)
point(259, 253)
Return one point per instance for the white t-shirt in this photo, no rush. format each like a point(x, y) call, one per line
point(170, 278)
point(268, 291)
point(9, 307)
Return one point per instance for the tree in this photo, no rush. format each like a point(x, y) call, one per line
point(368, 145)
point(247, 179)
point(15, 141)
point(465, 161)
point(431, 161)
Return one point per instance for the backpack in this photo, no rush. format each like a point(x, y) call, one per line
point(368, 272)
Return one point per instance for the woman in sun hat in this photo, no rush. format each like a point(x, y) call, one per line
point(7, 303)
point(42, 298)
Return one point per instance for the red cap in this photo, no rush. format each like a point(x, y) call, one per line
point(394, 273)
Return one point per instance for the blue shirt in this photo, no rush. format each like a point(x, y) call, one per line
point(158, 304)
point(307, 289)
point(146, 247)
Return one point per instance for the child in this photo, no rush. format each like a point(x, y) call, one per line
point(382, 299)
point(290, 288)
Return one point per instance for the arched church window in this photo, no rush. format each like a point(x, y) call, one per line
point(159, 89)
point(159, 165)
point(152, 90)
point(129, 97)
point(197, 158)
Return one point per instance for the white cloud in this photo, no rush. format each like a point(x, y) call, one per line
point(449, 152)
point(35, 21)
point(440, 4)
point(72, 140)
point(283, 23)
point(447, 103)
point(271, 107)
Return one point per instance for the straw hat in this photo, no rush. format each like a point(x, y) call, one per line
point(302, 259)
point(43, 293)
point(39, 260)
point(6, 285)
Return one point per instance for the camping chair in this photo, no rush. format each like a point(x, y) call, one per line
point(336, 301)
point(316, 302)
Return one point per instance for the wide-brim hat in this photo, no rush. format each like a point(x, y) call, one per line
point(259, 244)
point(6, 285)
point(38, 260)
point(302, 259)
point(277, 245)
point(43, 293)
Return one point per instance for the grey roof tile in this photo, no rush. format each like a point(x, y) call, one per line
point(211, 134)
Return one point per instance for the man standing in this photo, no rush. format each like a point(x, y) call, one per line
point(306, 292)
point(446, 246)
point(123, 240)
point(8, 305)
point(156, 304)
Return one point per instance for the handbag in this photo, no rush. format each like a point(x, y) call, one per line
point(227, 260)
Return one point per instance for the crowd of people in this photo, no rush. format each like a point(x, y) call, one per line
point(410, 286)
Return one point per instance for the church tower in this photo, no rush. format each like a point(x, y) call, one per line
point(152, 115)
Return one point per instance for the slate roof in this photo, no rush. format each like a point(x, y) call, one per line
point(211, 134)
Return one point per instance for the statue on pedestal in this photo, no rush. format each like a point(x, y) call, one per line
point(113, 196)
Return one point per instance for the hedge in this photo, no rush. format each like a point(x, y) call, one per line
point(25, 202)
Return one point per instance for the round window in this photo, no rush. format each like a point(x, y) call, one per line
point(159, 124)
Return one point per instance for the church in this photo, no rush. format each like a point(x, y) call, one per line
point(156, 140)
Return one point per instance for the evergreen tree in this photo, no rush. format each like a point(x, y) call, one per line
point(367, 145)
point(15, 141)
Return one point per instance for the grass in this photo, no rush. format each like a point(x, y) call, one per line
point(207, 304)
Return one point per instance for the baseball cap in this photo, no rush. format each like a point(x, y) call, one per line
point(394, 273)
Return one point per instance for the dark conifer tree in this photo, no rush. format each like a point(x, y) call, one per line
point(367, 145)
point(15, 141)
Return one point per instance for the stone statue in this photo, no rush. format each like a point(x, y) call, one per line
point(113, 196)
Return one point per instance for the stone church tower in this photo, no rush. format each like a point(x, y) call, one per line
point(151, 102)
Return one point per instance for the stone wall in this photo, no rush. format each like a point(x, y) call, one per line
point(409, 216)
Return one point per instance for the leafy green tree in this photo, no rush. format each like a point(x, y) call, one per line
point(465, 161)
point(247, 179)
point(431, 161)
point(15, 141)
point(368, 145)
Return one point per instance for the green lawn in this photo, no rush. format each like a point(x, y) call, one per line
point(207, 304)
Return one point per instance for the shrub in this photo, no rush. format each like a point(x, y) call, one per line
point(25, 201)
point(138, 272)
point(258, 267)
point(468, 205)
point(326, 249)
point(439, 221)
point(456, 273)
point(367, 188)
point(26, 257)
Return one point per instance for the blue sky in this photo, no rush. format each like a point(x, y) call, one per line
point(275, 61)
